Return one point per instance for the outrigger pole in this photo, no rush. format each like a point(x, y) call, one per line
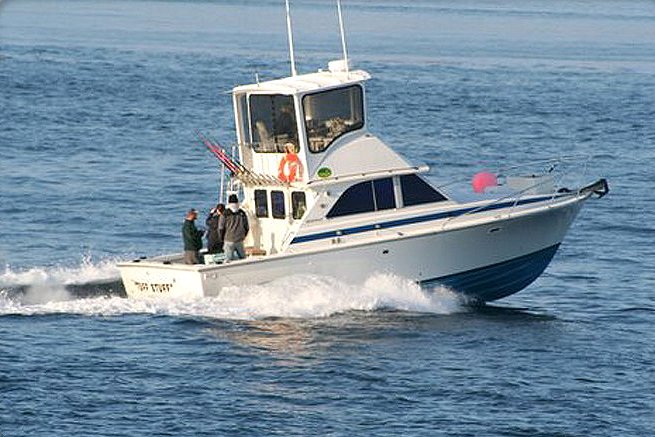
point(342, 31)
point(290, 36)
point(343, 36)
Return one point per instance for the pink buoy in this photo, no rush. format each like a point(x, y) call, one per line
point(483, 180)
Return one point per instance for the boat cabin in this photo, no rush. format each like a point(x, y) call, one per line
point(314, 112)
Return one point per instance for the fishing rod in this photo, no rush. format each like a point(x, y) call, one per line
point(261, 178)
point(221, 149)
point(216, 152)
point(233, 165)
point(222, 156)
point(208, 144)
point(219, 154)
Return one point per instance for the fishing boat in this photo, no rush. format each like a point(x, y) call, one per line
point(325, 196)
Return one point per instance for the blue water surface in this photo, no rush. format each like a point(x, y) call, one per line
point(99, 101)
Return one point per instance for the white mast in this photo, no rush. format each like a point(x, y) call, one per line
point(290, 35)
point(343, 36)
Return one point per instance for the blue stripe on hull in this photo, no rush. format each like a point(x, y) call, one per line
point(419, 219)
point(498, 280)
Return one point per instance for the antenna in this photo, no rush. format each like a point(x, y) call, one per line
point(343, 36)
point(290, 35)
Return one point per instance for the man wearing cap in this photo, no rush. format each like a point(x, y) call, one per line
point(214, 241)
point(233, 226)
point(192, 238)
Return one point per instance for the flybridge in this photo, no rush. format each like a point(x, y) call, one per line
point(286, 127)
point(301, 116)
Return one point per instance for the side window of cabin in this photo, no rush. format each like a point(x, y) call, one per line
point(242, 118)
point(272, 122)
point(365, 197)
point(417, 192)
point(384, 194)
point(355, 200)
point(277, 204)
point(298, 204)
point(261, 203)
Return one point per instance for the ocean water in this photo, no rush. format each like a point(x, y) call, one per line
point(99, 100)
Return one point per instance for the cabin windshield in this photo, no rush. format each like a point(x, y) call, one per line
point(272, 122)
point(330, 114)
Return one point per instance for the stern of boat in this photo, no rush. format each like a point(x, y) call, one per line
point(143, 278)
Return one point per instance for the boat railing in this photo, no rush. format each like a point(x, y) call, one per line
point(350, 177)
point(517, 196)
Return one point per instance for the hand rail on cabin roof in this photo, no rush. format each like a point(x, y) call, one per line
point(366, 175)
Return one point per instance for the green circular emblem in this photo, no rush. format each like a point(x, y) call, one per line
point(324, 172)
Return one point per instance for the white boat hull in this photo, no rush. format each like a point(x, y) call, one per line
point(485, 257)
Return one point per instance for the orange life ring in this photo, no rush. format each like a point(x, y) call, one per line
point(290, 167)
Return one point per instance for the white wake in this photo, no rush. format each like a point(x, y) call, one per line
point(43, 291)
point(41, 285)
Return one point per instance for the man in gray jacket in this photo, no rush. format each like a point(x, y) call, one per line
point(233, 227)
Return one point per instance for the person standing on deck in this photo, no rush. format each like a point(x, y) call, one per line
point(192, 238)
point(214, 240)
point(233, 227)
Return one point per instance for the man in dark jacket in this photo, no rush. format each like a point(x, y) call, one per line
point(214, 240)
point(192, 238)
point(233, 227)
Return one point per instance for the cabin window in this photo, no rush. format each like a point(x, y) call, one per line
point(385, 197)
point(355, 200)
point(273, 122)
point(366, 196)
point(277, 204)
point(417, 192)
point(330, 114)
point(242, 118)
point(261, 203)
point(298, 204)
